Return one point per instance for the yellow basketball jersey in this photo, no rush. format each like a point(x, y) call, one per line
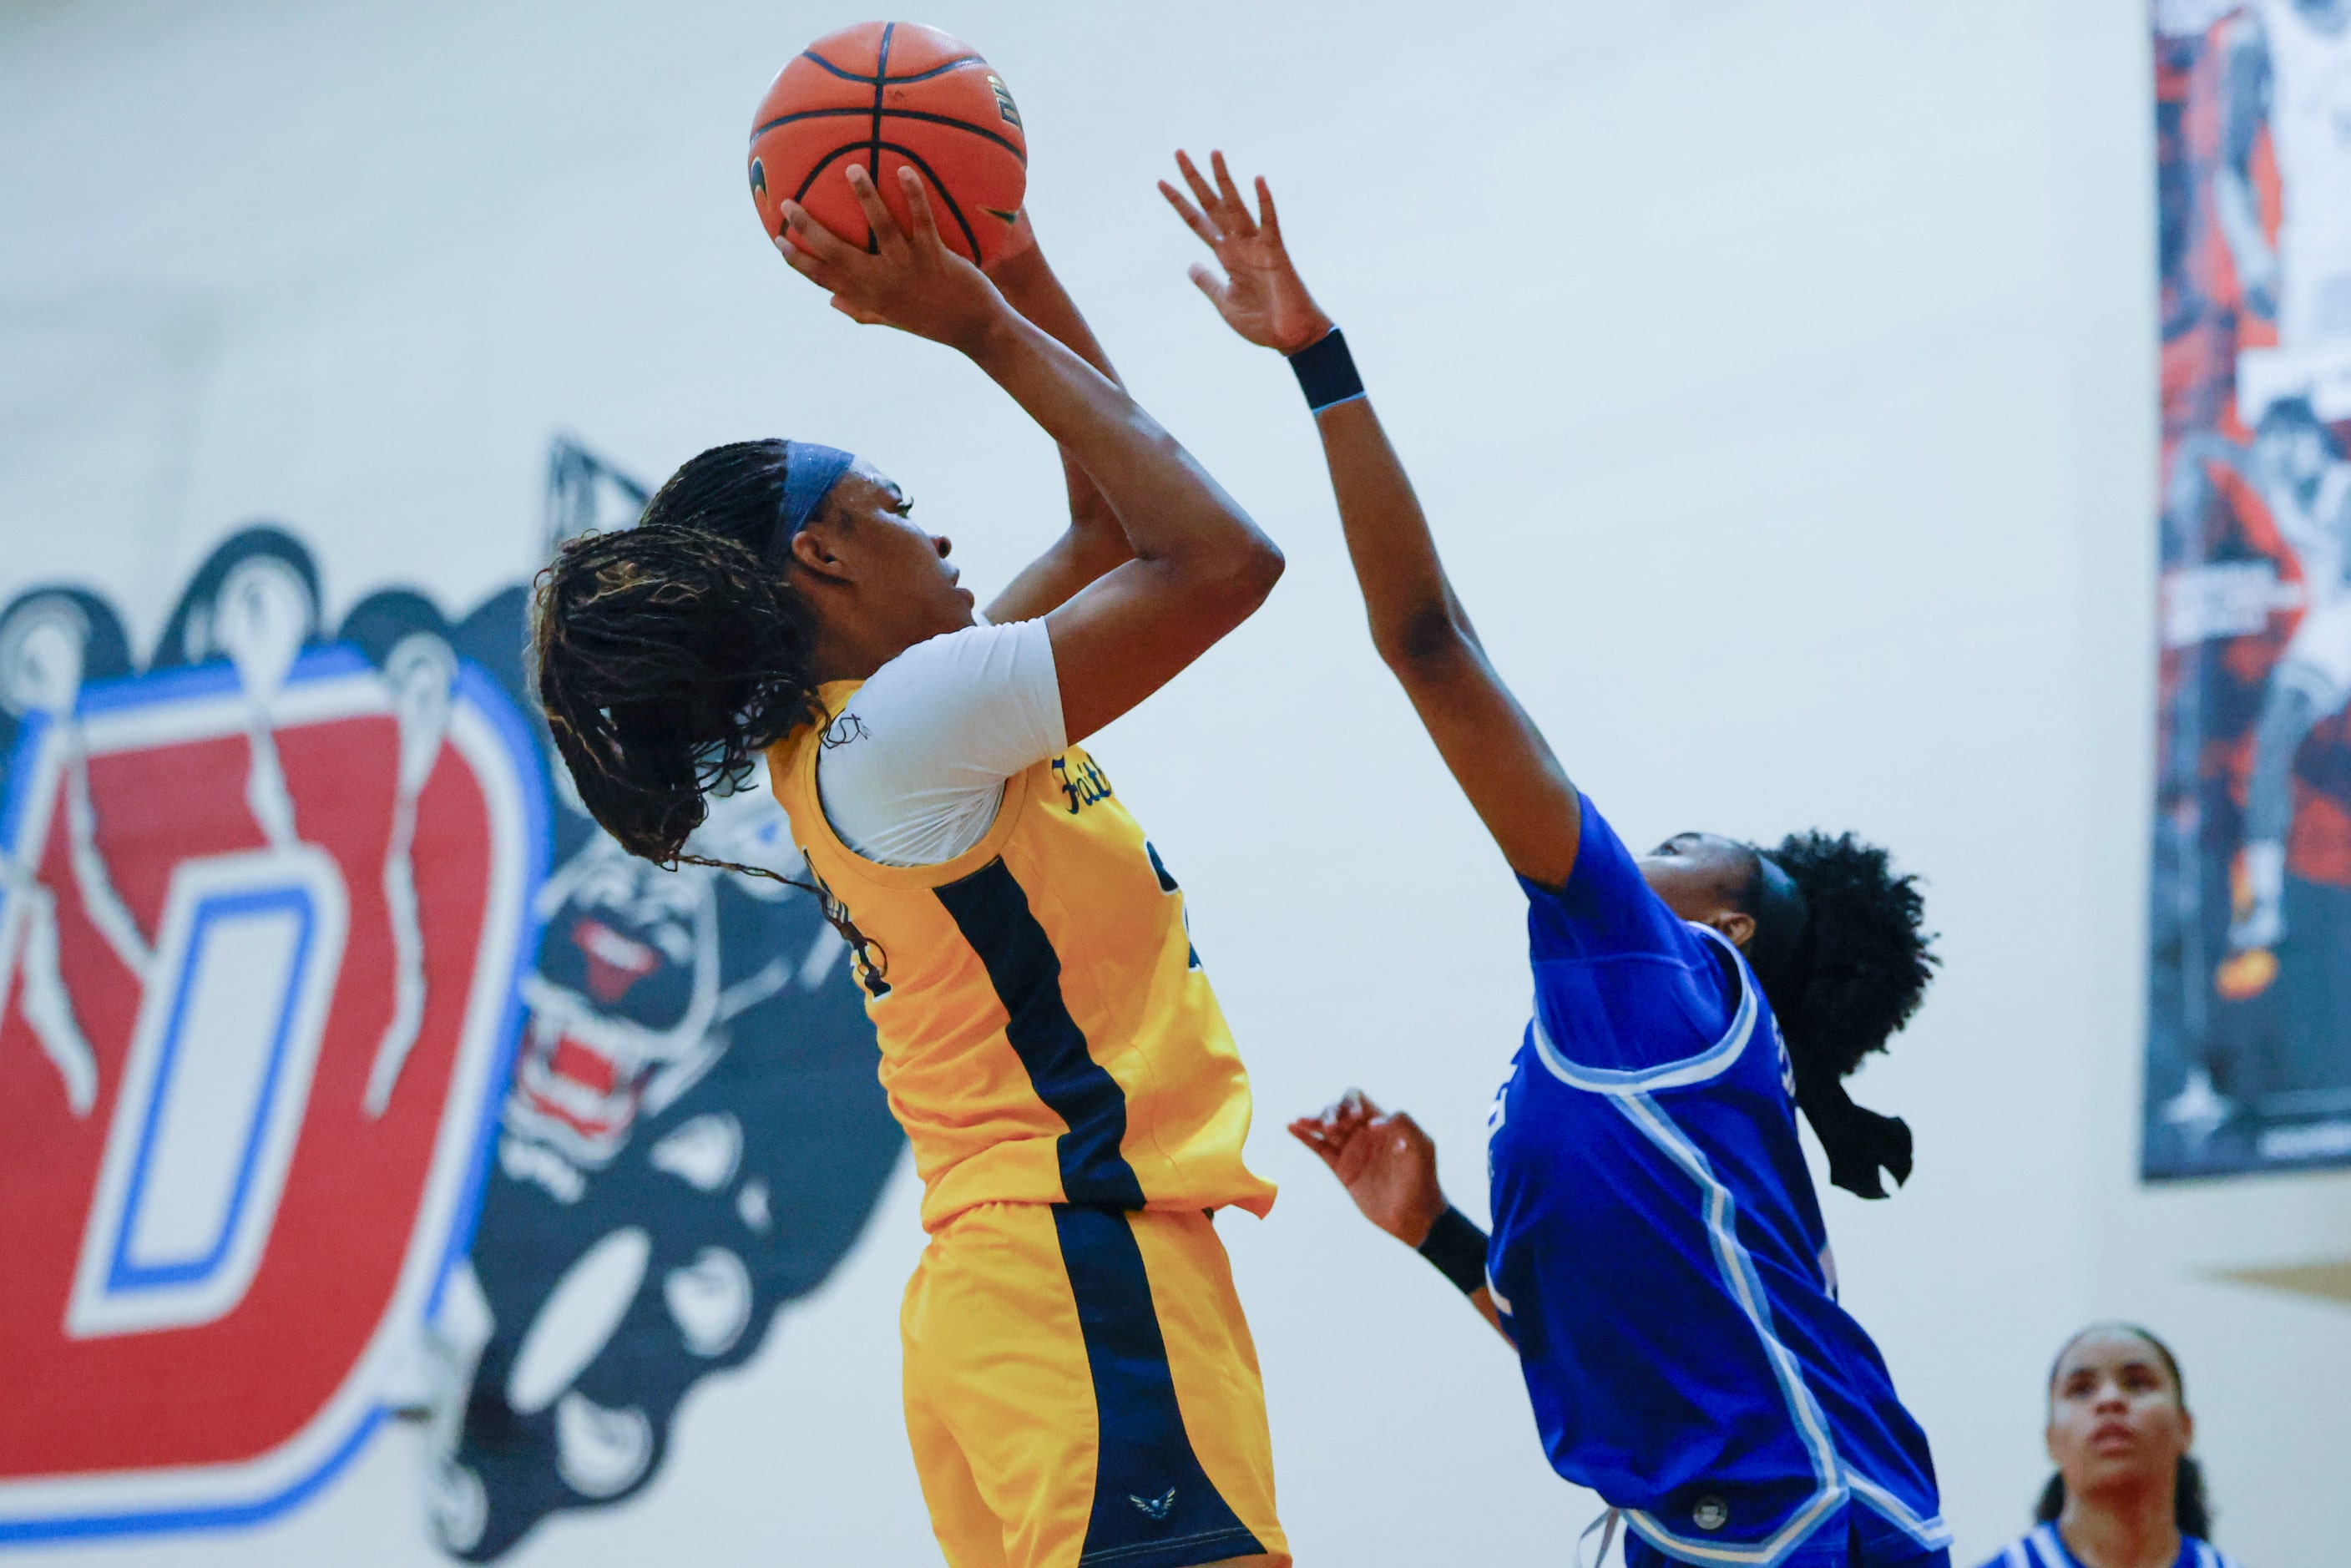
point(1046, 1035)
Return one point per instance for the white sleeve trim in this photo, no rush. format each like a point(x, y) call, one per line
point(914, 768)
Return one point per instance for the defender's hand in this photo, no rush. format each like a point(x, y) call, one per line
point(1261, 296)
point(1386, 1162)
point(912, 282)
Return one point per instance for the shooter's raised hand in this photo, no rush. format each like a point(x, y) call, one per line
point(1259, 295)
point(910, 281)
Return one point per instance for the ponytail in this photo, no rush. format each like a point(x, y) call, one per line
point(1843, 976)
point(672, 655)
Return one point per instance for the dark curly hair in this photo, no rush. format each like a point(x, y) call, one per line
point(671, 655)
point(1861, 971)
point(2191, 1509)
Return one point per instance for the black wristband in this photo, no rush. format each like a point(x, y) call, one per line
point(1458, 1248)
point(1326, 372)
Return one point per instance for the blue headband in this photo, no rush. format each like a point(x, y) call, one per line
point(809, 473)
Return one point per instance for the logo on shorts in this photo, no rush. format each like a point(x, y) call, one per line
point(1157, 1507)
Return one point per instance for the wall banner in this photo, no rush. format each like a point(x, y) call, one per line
point(348, 1071)
point(2249, 1045)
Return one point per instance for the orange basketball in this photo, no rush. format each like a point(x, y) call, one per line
point(892, 95)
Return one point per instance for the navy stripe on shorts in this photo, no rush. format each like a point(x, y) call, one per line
point(1153, 1506)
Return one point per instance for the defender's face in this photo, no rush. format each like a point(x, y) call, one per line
point(899, 562)
point(2114, 1414)
point(1698, 875)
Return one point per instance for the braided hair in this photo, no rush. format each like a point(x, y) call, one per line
point(1858, 973)
point(672, 655)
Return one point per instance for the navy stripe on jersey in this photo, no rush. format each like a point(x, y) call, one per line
point(1153, 1506)
point(992, 912)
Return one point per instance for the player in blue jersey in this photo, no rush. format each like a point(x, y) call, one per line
point(1658, 1258)
point(2127, 1493)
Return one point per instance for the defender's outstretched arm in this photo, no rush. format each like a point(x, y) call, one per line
point(1497, 755)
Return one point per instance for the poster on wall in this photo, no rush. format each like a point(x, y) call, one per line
point(2249, 1043)
point(349, 1071)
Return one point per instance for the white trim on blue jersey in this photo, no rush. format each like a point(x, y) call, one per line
point(1711, 1063)
point(1834, 1483)
point(2044, 1549)
point(1738, 1275)
point(1929, 1532)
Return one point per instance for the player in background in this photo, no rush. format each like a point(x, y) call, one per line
point(1080, 1381)
point(2289, 67)
point(2127, 1493)
point(2295, 467)
point(1658, 1258)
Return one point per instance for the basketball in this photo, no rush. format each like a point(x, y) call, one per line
point(892, 95)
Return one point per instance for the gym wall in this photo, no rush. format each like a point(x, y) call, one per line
point(1781, 380)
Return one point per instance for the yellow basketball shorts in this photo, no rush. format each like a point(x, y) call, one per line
point(1081, 1390)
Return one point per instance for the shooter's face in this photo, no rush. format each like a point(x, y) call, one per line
point(1700, 876)
point(2114, 1413)
point(899, 570)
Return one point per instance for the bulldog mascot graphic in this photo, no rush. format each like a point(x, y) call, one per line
point(347, 1068)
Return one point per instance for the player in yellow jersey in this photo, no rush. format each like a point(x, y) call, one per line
point(1080, 1388)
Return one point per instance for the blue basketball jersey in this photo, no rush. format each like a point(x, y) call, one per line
point(1658, 1255)
point(2044, 1548)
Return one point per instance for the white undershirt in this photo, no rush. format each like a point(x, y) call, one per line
point(912, 770)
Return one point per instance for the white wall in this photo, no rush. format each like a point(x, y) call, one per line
point(1780, 376)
